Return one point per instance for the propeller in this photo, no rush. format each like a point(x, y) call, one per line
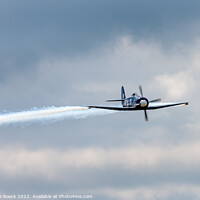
point(140, 88)
point(145, 111)
point(146, 116)
point(155, 100)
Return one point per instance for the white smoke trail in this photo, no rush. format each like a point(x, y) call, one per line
point(50, 114)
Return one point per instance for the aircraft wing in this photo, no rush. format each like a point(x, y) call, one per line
point(119, 108)
point(157, 105)
point(151, 106)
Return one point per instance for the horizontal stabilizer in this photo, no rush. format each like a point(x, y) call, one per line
point(115, 100)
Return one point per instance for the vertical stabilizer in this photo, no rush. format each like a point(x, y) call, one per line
point(123, 95)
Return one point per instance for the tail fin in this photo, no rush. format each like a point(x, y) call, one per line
point(123, 95)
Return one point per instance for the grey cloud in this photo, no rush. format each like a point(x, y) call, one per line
point(62, 81)
point(80, 53)
point(160, 167)
point(31, 30)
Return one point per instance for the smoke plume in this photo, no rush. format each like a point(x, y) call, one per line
point(50, 114)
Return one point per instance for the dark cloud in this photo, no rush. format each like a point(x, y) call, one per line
point(30, 30)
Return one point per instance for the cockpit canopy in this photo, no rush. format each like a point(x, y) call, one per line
point(135, 94)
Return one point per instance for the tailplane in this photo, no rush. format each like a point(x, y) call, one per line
point(123, 97)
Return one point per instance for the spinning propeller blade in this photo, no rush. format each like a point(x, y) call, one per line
point(145, 112)
point(155, 100)
point(140, 88)
point(146, 116)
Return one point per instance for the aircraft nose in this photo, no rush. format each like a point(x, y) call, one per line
point(143, 103)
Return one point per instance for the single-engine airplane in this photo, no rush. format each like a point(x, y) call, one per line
point(136, 102)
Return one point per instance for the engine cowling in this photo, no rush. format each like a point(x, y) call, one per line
point(144, 102)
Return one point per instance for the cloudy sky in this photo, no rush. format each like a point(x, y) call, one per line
point(80, 52)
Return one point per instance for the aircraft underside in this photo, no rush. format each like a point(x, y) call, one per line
point(150, 107)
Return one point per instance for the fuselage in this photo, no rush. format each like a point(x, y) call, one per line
point(134, 101)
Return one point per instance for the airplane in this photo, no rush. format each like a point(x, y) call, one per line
point(136, 102)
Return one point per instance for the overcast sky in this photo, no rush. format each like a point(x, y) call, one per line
point(80, 52)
